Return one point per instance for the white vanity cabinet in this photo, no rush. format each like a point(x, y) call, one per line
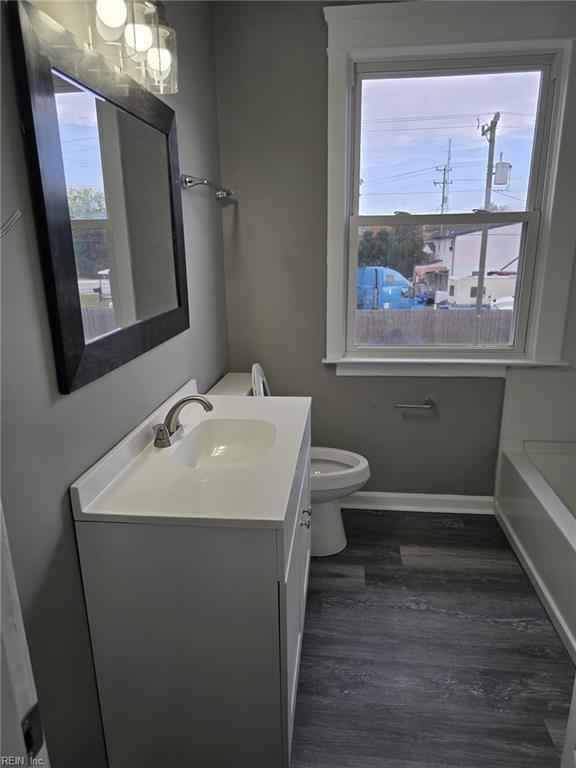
point(196, 623)
point(293, 587)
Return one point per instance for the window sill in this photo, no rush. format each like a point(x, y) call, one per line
point(411, 366)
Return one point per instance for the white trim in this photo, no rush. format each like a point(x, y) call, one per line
point(417, 368)
point(546, 598)
point(441, 503)
point(429, 366)
point(476, 218)
point(395, 32)
point(339, 131)
point(557, 240)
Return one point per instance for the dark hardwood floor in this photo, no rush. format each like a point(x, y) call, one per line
point(425, 646)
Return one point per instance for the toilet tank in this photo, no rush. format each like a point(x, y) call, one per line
point(233, 384)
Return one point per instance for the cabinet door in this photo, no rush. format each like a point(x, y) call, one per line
point(304, 542)
point(292, 601)
point(291, 640)
point(292, 605)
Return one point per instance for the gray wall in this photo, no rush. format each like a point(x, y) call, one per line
point(49, 439)
point(569, 347)
point(272, 101)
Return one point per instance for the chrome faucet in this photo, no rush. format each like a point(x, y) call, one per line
point(171, 430)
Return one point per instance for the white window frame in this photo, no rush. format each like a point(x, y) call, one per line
point(387, 36)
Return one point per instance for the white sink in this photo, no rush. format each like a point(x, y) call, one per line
point(225, 443)
point(233, 464)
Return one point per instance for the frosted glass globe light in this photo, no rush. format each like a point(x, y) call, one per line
point(112, 13)
point(159, 61)
point(138, 37)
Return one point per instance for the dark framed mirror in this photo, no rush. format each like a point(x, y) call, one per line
point(105, 181)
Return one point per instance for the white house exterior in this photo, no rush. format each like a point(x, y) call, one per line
point(462, 290)
point(459, 249)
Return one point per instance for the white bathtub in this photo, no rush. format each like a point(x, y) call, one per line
point(536, 505)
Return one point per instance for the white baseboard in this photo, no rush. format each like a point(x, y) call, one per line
point(421, 502)
point(550, 605)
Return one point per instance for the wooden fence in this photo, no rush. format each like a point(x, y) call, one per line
point(429, 326)
point(97, 321)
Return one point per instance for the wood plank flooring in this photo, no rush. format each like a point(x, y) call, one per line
point(425, 646)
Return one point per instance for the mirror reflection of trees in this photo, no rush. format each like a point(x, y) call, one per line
point(90, 247)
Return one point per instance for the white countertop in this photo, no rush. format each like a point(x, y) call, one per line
point(137, 482)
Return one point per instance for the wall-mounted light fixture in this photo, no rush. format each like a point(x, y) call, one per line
point(112, 15)
point(161, 58)
point(136, 35)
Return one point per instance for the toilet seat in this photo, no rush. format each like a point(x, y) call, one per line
point(260, 386)
point(333, 469)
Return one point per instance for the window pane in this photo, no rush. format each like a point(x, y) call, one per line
point(425, 141)
point(419, 285)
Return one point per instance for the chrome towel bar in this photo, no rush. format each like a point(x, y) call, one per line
point(427, 405)
point(221, 193)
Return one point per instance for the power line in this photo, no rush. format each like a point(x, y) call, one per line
point(398, 118)
point(84, 138)
point(506, 194)
point(399, 175)
point(437, 128)
point(415, 191)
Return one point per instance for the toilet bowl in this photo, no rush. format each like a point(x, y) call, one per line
point(334, 474)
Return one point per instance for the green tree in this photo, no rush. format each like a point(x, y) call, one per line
point(90, 251)
point(90, 248)
point(399, 248)
point(86, 203)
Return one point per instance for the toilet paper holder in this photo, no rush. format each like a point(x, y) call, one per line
point(427, 405)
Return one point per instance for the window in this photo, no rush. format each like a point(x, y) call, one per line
point(444, 177)
point(444, 189)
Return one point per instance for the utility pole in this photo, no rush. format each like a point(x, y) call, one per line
point(489, 132)
point(445, 182)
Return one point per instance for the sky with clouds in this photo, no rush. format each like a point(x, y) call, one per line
point(78, 125)
point(408, 121)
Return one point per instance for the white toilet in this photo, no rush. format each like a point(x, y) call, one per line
point(334, 475)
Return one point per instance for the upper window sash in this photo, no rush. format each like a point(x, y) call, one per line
point(545, 64)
